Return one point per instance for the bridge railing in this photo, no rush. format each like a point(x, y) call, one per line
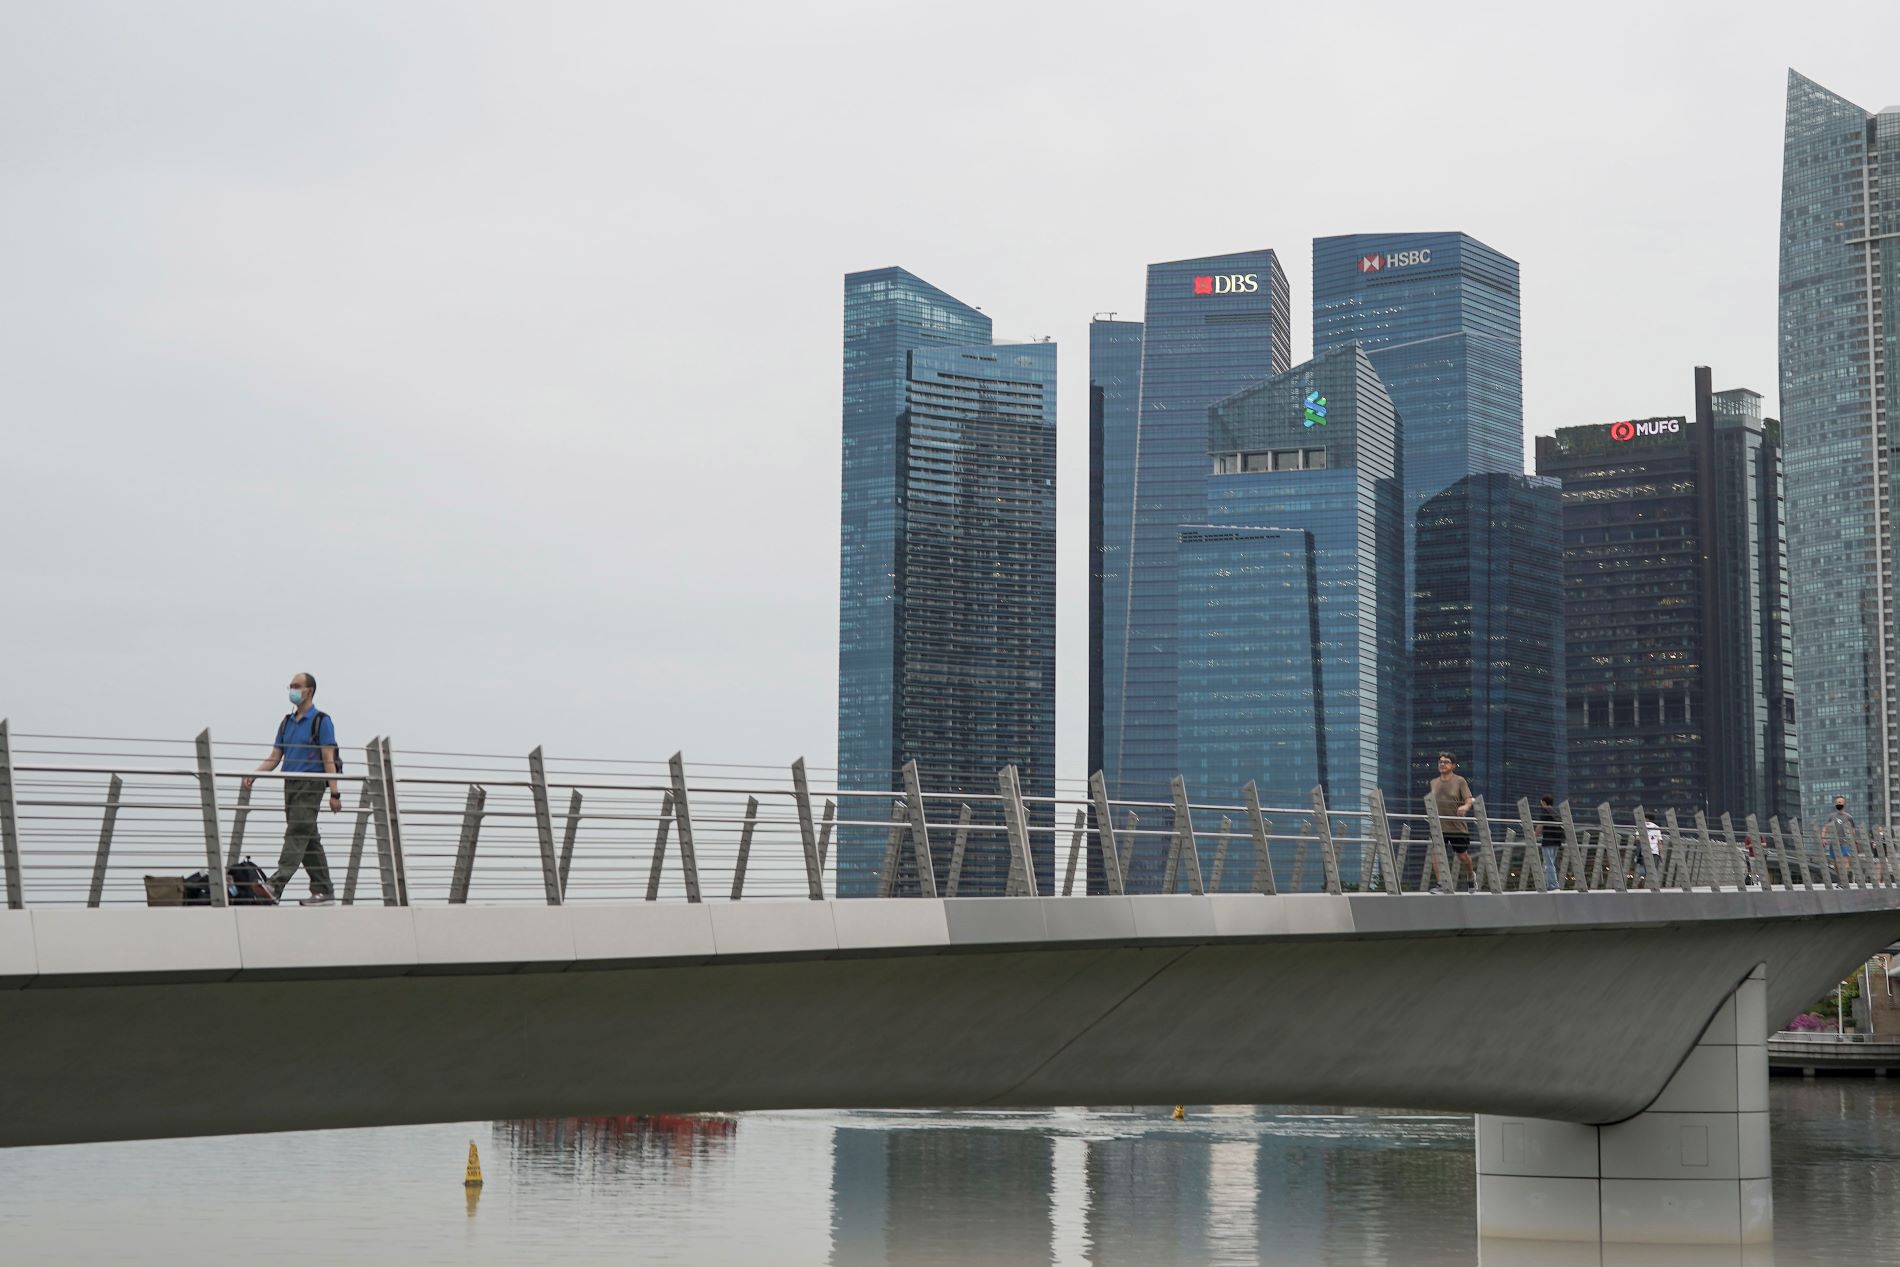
point(84, 820)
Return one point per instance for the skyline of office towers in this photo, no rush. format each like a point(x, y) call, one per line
point(946, 627)
point(1212, 326)
point(1676, 673)
point(1840, 358)
point(1488, 637)
point(1313, 450)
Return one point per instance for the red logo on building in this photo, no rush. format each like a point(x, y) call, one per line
point(1622, 431)
point(1203, 285)
point(1371, 263)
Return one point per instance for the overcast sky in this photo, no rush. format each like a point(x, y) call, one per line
point(484, 359)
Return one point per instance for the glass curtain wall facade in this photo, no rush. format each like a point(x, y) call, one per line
point(1316, 451)
point(1632, 613)
point(1488, 638)
point(1840, 358)
point(1114, 407)
point(1212, 326)
point(1679, 679)
point(947, 586)
point(1439, 315)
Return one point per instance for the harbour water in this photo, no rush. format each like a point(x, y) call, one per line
point(1068, 1186)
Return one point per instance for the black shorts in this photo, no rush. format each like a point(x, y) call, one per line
point(1457, 844)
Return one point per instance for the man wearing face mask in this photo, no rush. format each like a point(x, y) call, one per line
point(305, 745)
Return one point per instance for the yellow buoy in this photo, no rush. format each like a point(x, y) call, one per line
point(1180, 1115)
point(474, 1177)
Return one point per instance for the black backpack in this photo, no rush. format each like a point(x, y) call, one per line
point(317, 718)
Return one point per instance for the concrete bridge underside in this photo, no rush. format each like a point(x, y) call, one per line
point(1572, 1007)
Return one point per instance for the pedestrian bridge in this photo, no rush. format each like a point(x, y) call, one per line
point(1577, 1007)
point(1603, 1005)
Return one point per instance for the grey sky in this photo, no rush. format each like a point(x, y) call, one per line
point(483, 359)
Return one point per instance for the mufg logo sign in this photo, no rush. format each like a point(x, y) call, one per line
point(1646, 427)
point(1227, 284)
point(1394, 259)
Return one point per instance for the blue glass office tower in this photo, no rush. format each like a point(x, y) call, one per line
point(1313, 455)
point(1840, 361)
point(1438, 314)
point(1212, 326)
point(946, 623)
point(1488, 639)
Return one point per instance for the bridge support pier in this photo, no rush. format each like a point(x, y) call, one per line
point(1689, 1170)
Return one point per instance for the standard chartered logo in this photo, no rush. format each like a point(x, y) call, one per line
point(1315, 410)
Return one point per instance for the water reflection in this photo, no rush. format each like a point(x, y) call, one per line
point(1070, 1187)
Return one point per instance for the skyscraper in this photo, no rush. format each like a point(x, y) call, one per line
point(1676, 671)
point(946, 625)
point(1438, 314)
point(1488, 639)
point(1114, 408)
point(1213, 326)
point(1311, 454)
point(1840, 358)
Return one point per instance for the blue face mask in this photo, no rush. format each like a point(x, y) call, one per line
point(296, 697)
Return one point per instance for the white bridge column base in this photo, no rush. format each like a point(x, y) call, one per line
point(1690, 1170)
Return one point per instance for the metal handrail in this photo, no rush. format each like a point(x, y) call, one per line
point(541, 830)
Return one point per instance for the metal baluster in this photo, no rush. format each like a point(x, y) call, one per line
point(208, 806)
point(1571, 864)
point(356, 845)
point(1790, 863)
point(1075, 852)
point(1811, 856)
point(745, 846)
point(964, 815)
point(238, 817)
point(1389, 866)
point(379, 810)
point(807, 834)
point(1113, 877)
point(1299, 855)
point(1486, 854)
point(1681, 855)
point(97, 891)
point(9, 823)
point(1533, 848)
point(1653, 863)
point(570, 831)
point(824, 833)
point(1262, 841)
point(659, 847)
point(1220, 854)
point(683, 820)
point(1017, 820)
point(544, 827)
point(919, 831)
point(893, 852)
point(1184, 828)
point(1329, 858)
point(465, 846)
point(400, 874)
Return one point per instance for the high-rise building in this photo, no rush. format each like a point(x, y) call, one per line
point(1488, 639)
point(1309, 462)
point(1675, 615)
point(946, 624)
point(1114, 408)
point(1840, 360)
point(1438, 314)
point(1212, 326)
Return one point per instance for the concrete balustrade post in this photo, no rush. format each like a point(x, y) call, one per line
point(1690, 1170)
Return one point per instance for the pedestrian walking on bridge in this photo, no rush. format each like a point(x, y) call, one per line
point(305, 746)
point(1452, 796)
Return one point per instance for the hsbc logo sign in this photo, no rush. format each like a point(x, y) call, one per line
point(1394, 259)
point(1227, 284)
point(1632, 430)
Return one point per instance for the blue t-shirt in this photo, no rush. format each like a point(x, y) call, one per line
point(303, 749)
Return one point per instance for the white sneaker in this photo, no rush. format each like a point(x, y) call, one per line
point(318, 901)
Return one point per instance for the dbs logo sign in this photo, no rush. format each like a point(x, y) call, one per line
point(1622, 431)
point(1227, 284)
